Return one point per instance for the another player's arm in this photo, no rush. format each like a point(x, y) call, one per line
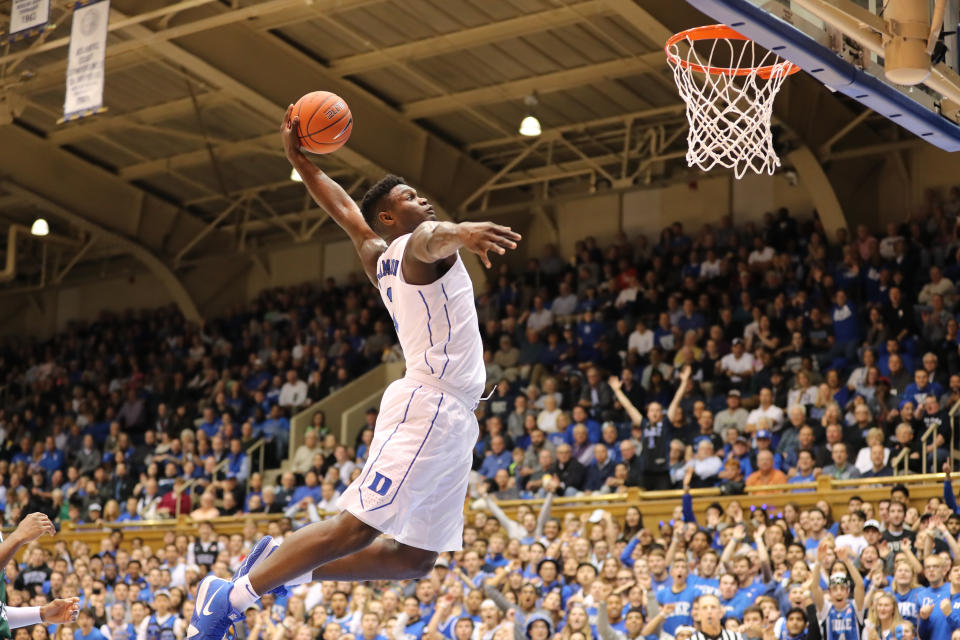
point(30, 528)
point(333, 199)
point(434, 241)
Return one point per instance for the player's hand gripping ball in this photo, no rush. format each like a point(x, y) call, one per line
point(325, 122)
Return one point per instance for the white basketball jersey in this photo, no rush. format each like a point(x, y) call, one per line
point(436, 324)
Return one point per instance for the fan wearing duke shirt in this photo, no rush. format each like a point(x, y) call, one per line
point(679, 594)
point(938, 618)
point(842, 610)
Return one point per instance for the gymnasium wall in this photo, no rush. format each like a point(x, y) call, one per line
point(647, 211)
point(216, 285)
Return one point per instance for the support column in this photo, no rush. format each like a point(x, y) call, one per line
point(815, 181)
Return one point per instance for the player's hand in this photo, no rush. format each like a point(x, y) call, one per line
point(290, 132)
point(614, 382)
point(32, 527)
point(483, 237)
point(60, 611)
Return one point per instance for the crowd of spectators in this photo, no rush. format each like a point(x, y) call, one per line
point(760, 354)
point(726, 357)
point(112, 419)
point(883, 570)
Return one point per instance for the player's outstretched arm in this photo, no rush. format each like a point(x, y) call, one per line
point(433, 241)
point(30, 528)
point(332, 198)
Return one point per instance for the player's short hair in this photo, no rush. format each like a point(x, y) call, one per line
point(373, 200)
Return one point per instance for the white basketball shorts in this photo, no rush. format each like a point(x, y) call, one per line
point(414, 483)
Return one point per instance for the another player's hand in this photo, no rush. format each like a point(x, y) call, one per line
point(34, 526)
point(614, 382)
point(60, 611)
point(483, 237)
point(289, 131)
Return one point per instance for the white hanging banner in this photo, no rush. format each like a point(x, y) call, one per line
point(28, 18)
point(88, 42)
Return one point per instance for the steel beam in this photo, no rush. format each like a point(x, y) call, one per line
point(877, 149)
point(469, 38)
point(148, 38)
point(87, 127)
point(267, 143)
point(514, 90)
point(382, 139)
point(640, 19)
point(113, 26)
point(635, 116)
point(160, 270)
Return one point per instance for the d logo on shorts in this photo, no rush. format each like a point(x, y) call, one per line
point(381, 484)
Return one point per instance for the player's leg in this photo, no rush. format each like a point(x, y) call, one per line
point(422, 511)
point(383, 560)
point(220, 602)
point(310, 547)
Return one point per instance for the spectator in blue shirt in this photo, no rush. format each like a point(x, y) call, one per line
point(276, 429)
point(86, 629)
point(52, 459)
point(921, 387)
point(846, 330)
point(691, 320)
point(497, 458)
point(804, 471)
point(237, 461)
point(310, 488)
point(210, 425)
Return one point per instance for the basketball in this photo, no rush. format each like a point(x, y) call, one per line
point(325, 121)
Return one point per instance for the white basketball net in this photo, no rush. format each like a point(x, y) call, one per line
point(729, 109)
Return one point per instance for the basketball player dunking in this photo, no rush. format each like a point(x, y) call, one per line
point(413, 485)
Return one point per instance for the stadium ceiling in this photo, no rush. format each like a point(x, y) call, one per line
point(186, 163)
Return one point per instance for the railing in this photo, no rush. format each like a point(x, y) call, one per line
point(258, 445)
point(341, 404)
point(654, 505)
point(929, 437)
point(954, 417)
point(900, 457)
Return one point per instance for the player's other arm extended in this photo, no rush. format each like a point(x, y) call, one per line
point(434, 241)
point(333, 199)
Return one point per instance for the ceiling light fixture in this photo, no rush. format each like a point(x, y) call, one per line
point(530, 125)
point(295, 176)
point(40, 227)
